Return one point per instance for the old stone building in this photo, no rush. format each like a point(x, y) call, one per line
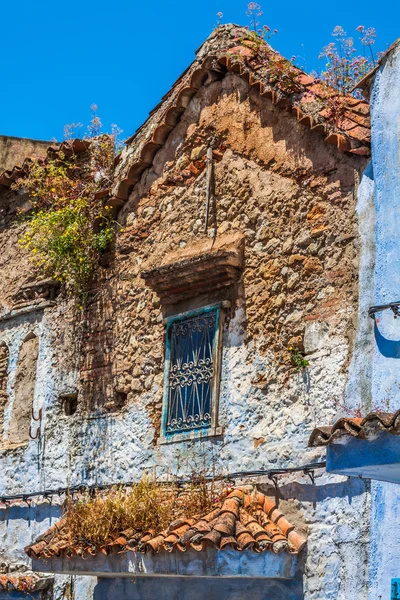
point(244, 215)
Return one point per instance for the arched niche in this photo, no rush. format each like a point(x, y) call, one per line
point(25, 380)
point(4, 357)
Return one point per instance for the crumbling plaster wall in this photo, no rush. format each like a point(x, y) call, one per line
point(22, 466)
point(293, 197)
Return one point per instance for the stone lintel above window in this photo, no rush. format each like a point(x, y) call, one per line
point(35, 292)
point(195, 270)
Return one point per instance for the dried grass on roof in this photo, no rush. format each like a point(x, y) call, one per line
point(148, 506)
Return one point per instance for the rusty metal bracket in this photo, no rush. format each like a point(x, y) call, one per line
point(39, 418)
point(209, 184)
point(274, 480)
point(311, 475)
point(34, 437)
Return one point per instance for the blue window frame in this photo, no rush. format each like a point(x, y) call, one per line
point(192, 371)
point(395, 589)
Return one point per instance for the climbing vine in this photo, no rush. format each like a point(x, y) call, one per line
point(69, 226)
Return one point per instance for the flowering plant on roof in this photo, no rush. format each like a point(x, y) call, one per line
point(219, 17)
point(277, 68)
point(69, 225)
point(344, 65)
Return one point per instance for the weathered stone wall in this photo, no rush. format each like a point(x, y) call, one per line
point(293, 198)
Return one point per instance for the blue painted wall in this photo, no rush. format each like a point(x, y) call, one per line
point(385, 112)
point(193, 588)
point(384, 558)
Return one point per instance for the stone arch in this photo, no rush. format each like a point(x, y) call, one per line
point(25, 380)
point(4, 358)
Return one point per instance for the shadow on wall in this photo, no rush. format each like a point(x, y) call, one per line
point(388, 348)
point(35, 514)
point(197, 588)
point(349, 489)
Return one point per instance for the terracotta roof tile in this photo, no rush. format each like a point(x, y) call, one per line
point(241, 521)
point(68, 148)
point(24, 582)
point(312, 102)
point(361, 428)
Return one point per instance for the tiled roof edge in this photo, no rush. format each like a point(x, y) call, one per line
point(360, 428)
point(24, 582)
point(76, 146)
point(221, 53)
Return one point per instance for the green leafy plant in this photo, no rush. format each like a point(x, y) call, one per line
point(69, 226)
point(277, 68)
point(297, 358)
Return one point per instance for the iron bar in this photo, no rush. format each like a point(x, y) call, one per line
point(270, 473)
point(208, 184)
point(393, 306)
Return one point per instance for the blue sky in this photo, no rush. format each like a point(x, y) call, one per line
point(58, 58)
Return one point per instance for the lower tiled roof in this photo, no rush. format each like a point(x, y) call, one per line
point(67, 148)
point(24, 583)
point(242, 521)
point(361, 428)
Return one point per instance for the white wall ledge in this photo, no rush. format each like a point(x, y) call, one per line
point(208, 563)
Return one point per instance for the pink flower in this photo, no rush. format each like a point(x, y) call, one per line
point(360, 28)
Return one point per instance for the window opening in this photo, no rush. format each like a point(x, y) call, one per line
point(70, 404)
point(192, 372)
point(25, 381)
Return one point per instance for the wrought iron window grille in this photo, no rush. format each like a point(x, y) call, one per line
point(192, 374)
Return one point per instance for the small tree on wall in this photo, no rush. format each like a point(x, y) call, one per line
point(69, 227)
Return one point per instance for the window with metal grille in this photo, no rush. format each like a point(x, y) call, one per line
point(192, 374)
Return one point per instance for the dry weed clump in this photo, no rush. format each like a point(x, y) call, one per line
point(148, 506)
